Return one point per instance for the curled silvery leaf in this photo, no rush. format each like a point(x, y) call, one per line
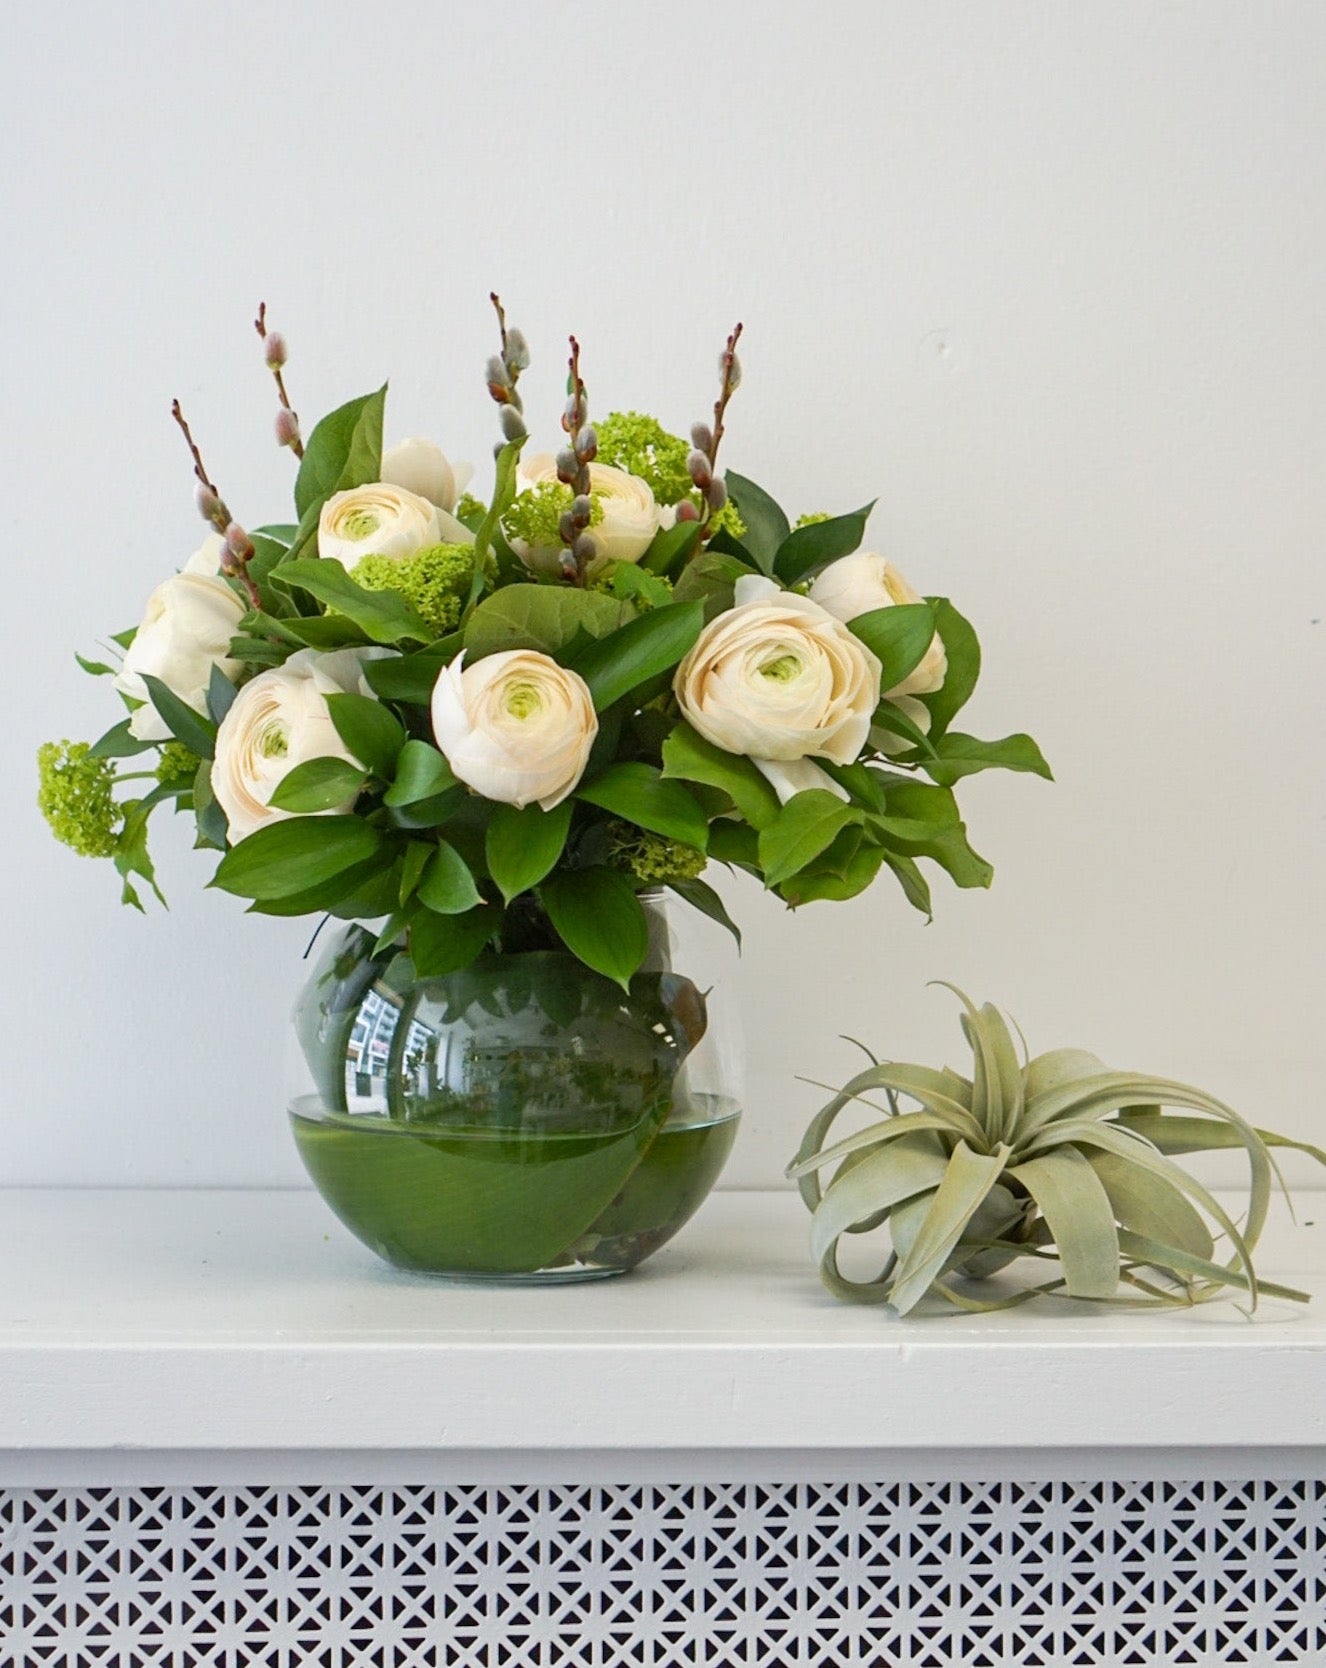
point(1054, 1159)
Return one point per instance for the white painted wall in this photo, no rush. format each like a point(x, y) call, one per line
point(1046, 278)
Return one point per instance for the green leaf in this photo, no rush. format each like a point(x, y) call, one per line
point(372, 732)
point(630, 581)
point(898, 637)
point(888, 715)
point(882, 1179)
point(417, 853)
point(711, 579)
point(967, 1181)
point(344, 450)
point(447, 886)
point(671, 548)
point(119, 743)
point(1075, 1204)
point(959, 755)
point(1152, 1206)
point(688, 756)
point(504, 493)
point(221, 695)
point(815, 546)
point(210, 818)
point(433, 812)
point(196, 732)
point(544, 617)
point(318, 785)
point(614, 665)
point(284, 858)
point(522, 845)
point(599, 919)
point(700, 895)
point(800, 832)
point(963, 651)
point(339, 894)
point(915, 887)
point(410, 677)
point(421, 773)
point(1178, 1135)
point(767, 528)
point(384, 616)
point(834, 882)
point(639, 793)
point(734, 843)
point(443, 944)
point(131, 854)
point(95, 668)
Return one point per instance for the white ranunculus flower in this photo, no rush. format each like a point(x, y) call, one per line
point(382, 520)
point(782, 681)
point(422, 467)
point(186, 630)
point(277, 721)
point(516, 727)
point(631, 516)
point(864, 581)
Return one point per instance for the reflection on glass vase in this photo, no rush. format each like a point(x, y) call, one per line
point(525, 1118)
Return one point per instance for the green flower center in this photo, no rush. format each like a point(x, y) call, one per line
point(360, 524)
point(523, 700)
point(274, 742)
point(782, 669)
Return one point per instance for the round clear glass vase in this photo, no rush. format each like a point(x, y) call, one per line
point(525, 1118)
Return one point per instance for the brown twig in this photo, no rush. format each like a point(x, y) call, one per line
point(199, 468)
point(573, 471)
point(703, 461)
point(237, 551)
point(295, 444)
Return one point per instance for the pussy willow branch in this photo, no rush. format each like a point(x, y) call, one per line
point(234, 561)
point(260, 325)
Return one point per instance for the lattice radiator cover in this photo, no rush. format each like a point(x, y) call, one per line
point(986, 1575)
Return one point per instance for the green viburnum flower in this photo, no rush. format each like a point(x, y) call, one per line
point(812, 517)
point(435, 580)
point(535, 513)
point(74, 796)
point(468, 507)
point(640, 444)
point(177, 763)
point(651, 858)
point(728, 519)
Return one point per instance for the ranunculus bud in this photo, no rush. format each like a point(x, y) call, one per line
point(716, 493)
point(699, 469)
point(275, 350)
point(517, 350)
point(702, 437)
point(287, 426)
point(512, 423)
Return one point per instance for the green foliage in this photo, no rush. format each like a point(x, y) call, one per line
point(285, 859)
point(1051, 1160)
point(812, 547)
point(545, 617)
point(446, 885)
point(639, 793)
point(898, 637)
point(74, 795)
point(372, 732)
point(534, 514)
point(197, 732)
point(318, 785)
point(383, 616)
point(598, 917)
point(688, 757)
point(343, 451)
point(523, 845)
point(766, 527)
point(653, 859)
point(615, 665)
point(434, 581)
point(803, 828)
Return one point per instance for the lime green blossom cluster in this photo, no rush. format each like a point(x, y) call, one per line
point(435, 581)
point(652, 859)
point(469, 508)
point(728, 519)
point(639, 444)
point(534, 515)
point(74, 795)
point(176, 762)
point(813, 517)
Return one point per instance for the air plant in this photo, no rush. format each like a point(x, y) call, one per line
point(1058, 1159)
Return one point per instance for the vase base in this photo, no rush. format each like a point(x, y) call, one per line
point(572, 1275)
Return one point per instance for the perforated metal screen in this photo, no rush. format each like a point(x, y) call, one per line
point(982, 1575)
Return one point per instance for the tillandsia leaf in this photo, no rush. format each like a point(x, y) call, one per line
point(1177, 1135)
point(1184, 1265)
point(967, 1180)
point(868, 1190)
point(939, 1092)
point(1151, 1205)
point(987, 1082)
point(1073, 1200)
point(1057, 1068)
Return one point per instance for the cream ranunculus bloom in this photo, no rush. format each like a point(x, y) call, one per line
point(277, 721)
point(782, 681)
point(631, 516)
point(422, 467)
point(864, 581)
point(381, 520)
point(516, 727)
point(186, 630)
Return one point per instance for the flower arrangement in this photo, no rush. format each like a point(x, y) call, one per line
point(1055, 1159)
point(494, 724)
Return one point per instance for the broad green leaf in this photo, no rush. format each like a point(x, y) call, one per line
point(898, 637)
point(963, 651)
point(411, 676)
point(544, 617)
point(413, 864)
point(372, 732)
point(95, 668)
point(835, 885)
point(1151, 1205)
point(800, 831)
point(119, 743)
point(732, 842)
point(421, 773)
point(210, 818)
point(344, 450)
point(444, 944)
point(384, 616)
point(1075, 1203)
point(341, 894)
point(700, 895)
point(711, 579)
point(689, 757)
point(433, 812)
point(447, 886)
point(958, 755)
point(915, 887)
point(631, 581)
point(614, 665)
point(131, 855)
point(671, 548)
point(284, 858)
point(522, 846)
point(196, 732)
point(599, 918)
point(638, 793)
point(221, 695)
point(767, 527)
point(810, 548)
point(967, 1181)
point(318, 785)
point(889, 717)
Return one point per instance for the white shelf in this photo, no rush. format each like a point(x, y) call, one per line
point(181, 1322)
